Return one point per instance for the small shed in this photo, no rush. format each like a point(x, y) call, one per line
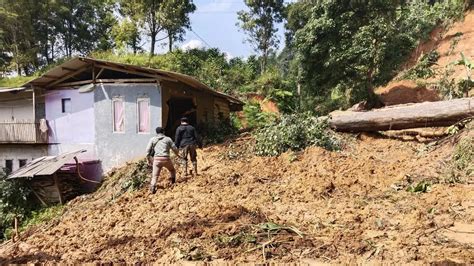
point(57, 179)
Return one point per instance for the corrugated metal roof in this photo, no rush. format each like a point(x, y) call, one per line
point(46, 165)
point(80, 64)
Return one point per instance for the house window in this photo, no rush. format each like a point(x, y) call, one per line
point(66, 105)
point(118, 113)
point(9, 166)
point(22, 162)
point(143, 108)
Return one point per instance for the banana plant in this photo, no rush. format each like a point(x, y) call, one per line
point(466, 84)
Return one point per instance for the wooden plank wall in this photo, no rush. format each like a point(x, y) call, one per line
point(18, 132)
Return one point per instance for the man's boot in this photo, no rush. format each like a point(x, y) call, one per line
point(195, 167)
point(173, 177)
point(186, 168)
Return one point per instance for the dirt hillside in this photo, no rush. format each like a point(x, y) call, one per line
point(449, 43)
point(314, 206)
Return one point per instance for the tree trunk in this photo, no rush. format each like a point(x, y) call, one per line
point(170, 42)
point(427, 114)
point(152, 45)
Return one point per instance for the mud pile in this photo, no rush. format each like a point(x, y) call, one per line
point(314, 206)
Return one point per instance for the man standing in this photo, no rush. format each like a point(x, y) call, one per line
point(158, 155)
point(187, 140)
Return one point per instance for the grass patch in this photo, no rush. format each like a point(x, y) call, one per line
point(461, 165)
point(15, 81)
point(37, 217)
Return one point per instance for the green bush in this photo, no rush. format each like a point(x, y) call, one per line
point(462, 163)
point(255, 117)
point(15, 201)
point(422, 69)
point(220, 131)
point(294, 132)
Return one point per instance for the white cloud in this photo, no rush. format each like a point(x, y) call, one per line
point(215, 6)
point(228, 56)
point(193, 44)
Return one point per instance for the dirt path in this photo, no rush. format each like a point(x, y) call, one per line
point(351, 206)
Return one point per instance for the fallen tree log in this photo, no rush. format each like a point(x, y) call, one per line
point(427, 114)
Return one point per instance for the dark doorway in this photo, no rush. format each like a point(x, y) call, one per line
point(180, 107)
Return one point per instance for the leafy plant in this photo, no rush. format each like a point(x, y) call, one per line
point(294, 132)
point(461, 165)
point(218, 132)
point(466, 84)
point(255, 117)
point(422, 69)
point(423, 187)
point(15, 201)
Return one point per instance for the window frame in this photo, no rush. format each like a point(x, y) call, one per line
point(9, 169)
point(63, 105)
point(143, 99)
point(20, 162)
point(118, 99)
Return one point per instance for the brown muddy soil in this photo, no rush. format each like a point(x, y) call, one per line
point(314, 206)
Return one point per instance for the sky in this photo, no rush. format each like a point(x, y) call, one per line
point(214, 25)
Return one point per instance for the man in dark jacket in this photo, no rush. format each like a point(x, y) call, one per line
point(187, 141)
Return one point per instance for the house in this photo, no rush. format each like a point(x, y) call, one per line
point(108, 109)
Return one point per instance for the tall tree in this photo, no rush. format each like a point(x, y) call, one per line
point(259, 23)
point(126, 34)
point(156, 16)
point(174, 16)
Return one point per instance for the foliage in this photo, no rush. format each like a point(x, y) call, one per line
point(461, 165)
point(422, 69)
point(259, 23)
point(294, 132)
point(255, 117)
point(352, 46)
point(219, 131)
point(208, 65)
point(155, 16)
point(447, 84)
point(467, 83)
point(138, 177)
point(421, 187)
point(15, 81)
point(275, 87)
point(126, 35)
point(175, 19)
point(15, 201)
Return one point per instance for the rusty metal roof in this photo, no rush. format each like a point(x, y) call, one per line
point(46, 165)
point(80, 64)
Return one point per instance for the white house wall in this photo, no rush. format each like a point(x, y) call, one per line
point(115, 149)
point(16, 152)
point(74, 130)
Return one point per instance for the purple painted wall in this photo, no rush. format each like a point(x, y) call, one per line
point(72, 130)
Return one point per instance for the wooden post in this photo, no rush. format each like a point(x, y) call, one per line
point(34, 104)
point(56, 184)
point(15, 226)
point(38, 196)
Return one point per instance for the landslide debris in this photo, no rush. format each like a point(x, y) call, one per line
point(314, 206)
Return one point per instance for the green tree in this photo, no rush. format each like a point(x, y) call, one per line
point(175, 19)
point(126, 34)
point(345, 48)
point(156, 16)
point(259, 23)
